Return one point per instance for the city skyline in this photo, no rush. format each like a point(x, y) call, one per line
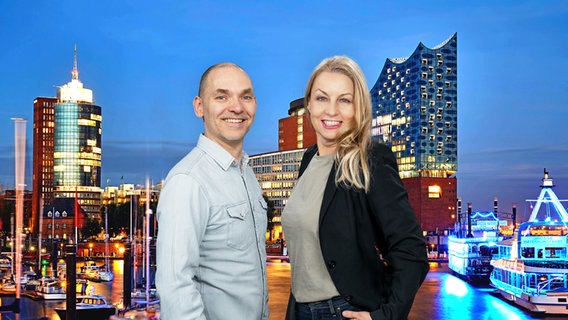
point(143, 63)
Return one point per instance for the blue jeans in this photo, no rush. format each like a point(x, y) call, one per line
point(323, 310)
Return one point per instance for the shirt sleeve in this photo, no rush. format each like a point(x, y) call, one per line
point(182, 219)
point(405, 247)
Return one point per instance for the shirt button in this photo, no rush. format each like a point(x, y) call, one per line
point(348, 298)
point(331, 264)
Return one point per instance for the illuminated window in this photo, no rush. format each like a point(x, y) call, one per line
point(434, 192)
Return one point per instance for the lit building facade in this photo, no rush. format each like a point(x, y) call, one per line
point(127, 192)
point(277, 173)
point(42, 176)
point(77, 146)
point(415, 112)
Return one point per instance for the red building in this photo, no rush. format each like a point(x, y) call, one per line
point(42, 178)
point(295, 132)
point(433, 201)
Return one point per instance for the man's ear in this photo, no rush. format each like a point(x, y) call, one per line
point(198, 107)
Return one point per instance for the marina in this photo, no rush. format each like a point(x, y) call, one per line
point(443, 296)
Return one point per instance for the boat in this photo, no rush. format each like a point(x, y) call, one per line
point(93, 272)
point(470, 250)
point(89, 307)
point(88, 269)
point(50, 288)
point(104, 272)
point(531, 268)
point(5, 262)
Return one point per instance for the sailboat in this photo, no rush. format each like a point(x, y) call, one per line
point(104, 272)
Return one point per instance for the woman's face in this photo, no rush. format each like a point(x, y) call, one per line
point(331, 108)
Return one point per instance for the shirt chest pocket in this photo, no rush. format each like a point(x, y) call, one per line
point(240, 229)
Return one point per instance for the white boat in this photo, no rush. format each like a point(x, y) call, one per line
point(470, 249)
point(50, 289)
point(89, 307)
point(531, 269)
point(88, 269)
point(93, 272)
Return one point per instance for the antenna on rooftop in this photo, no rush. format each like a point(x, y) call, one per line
point(75, 72)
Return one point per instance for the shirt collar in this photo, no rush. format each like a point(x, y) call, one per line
point(223, 158)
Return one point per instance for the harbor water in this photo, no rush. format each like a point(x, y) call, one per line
point(442, 296)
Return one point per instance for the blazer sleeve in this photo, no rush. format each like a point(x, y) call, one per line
point(404, 249)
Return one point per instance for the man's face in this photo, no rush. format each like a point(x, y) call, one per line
point(227, 106)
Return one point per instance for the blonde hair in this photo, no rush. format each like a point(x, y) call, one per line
point(353, 144)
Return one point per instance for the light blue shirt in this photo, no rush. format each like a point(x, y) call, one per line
point(211, 255)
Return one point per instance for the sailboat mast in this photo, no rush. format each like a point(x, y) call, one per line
point(39, 236)
point(106, 239)
point(147, 238)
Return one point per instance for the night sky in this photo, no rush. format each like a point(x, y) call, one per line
point(143, 60)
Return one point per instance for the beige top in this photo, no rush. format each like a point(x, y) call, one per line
point(300, 219)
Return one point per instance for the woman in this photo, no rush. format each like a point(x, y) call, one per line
point(355, 246)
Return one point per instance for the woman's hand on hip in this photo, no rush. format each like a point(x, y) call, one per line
point(357, 315)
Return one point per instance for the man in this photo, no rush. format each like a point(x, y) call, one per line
point(211, 256)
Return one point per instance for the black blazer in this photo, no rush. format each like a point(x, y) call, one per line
point(371, 243)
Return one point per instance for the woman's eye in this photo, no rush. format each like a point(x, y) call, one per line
point(345, 100)
point(321, 98)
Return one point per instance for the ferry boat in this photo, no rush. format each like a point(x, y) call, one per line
point(470, 251)
point(531, 269)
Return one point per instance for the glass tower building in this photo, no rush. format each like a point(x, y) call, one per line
point(415, 110)
point(77, 146)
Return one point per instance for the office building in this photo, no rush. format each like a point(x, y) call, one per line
point(77, 145)
point(42, 175)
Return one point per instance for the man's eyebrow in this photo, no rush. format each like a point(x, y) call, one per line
point(223, 91)
point(247, 91)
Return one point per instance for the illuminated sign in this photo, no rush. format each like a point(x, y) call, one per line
point(548, 231)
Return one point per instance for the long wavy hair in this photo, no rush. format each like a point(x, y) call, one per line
point(353, 143)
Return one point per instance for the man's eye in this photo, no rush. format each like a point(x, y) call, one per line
point(221, 98)
point(248, 98)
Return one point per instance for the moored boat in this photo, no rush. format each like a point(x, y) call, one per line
point(531, 269)
point(470, 250)
point(89, 307)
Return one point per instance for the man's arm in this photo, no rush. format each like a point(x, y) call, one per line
point(182, 218)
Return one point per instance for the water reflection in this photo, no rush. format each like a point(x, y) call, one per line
point(441, 297)
point(446, 297)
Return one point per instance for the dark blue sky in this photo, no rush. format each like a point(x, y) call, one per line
point(143, 60)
